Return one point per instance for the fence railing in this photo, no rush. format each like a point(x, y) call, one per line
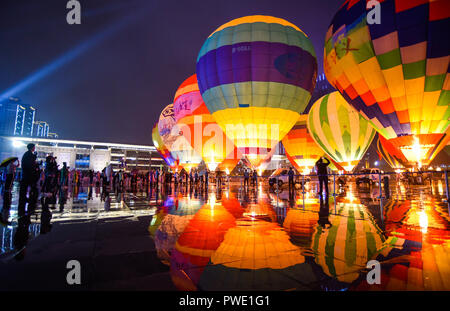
point(377, 179)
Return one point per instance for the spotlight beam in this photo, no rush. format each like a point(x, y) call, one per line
point(70, 55)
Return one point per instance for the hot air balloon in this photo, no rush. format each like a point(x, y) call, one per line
point(301, 149)
point(390, 154)
point(340, 130)
point(395, 71)
point(256, 75)
point(161, 148)
point(177, 144)
point(200, 129)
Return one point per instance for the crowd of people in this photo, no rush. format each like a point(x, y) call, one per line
point(49, 178)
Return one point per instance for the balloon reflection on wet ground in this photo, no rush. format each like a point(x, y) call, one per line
point(261, 240)
point(242, 239)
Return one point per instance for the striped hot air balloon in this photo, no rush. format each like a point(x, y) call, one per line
point(173, 138)
point(390, 154)
point(395, 71)
point(161, 148)
point(340, 130)
point(256, 75)
point(200, 128)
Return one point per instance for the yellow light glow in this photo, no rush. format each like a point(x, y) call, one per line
point(212, 163)
point(416, 152)
point(349, 168)
point(423, 221)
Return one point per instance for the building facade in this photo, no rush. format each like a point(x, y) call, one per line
point(84, 155)
point(16, 118)
point(41, 129)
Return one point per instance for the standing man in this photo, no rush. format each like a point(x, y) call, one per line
point(322, 173)
point(291, 179)
point(63, 176)
point(246, 176)
point(30, 175)
point(255, 178)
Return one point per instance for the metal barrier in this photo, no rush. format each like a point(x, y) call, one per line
point(408, 178)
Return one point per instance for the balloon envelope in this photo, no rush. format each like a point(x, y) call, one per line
point(301, 149)
point(177, 144)
point(390, 153)
point(395, 72)
point(161, 148)
point(340, 130)
point(200, 128)
point(256, 75)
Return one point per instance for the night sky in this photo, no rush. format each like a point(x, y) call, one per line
point(108, 78)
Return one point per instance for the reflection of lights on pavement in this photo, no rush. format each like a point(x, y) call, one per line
point(212, 200)
point(440, 188)
point(423, 221)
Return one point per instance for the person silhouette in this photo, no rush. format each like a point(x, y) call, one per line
point(324, 212)
point(291, 179)
point(322, 173)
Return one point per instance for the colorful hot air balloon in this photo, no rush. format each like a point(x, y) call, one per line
point(301, 149)
point(165, 125)
point(395, 72)
point(177, 144)
point(390, 154)
point(340, 130)
point(256, 75)
point(161, 148)
point(200, 128)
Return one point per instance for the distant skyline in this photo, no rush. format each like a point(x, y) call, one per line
point(109, 78)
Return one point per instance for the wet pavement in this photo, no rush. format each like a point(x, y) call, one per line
point(231, 239)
